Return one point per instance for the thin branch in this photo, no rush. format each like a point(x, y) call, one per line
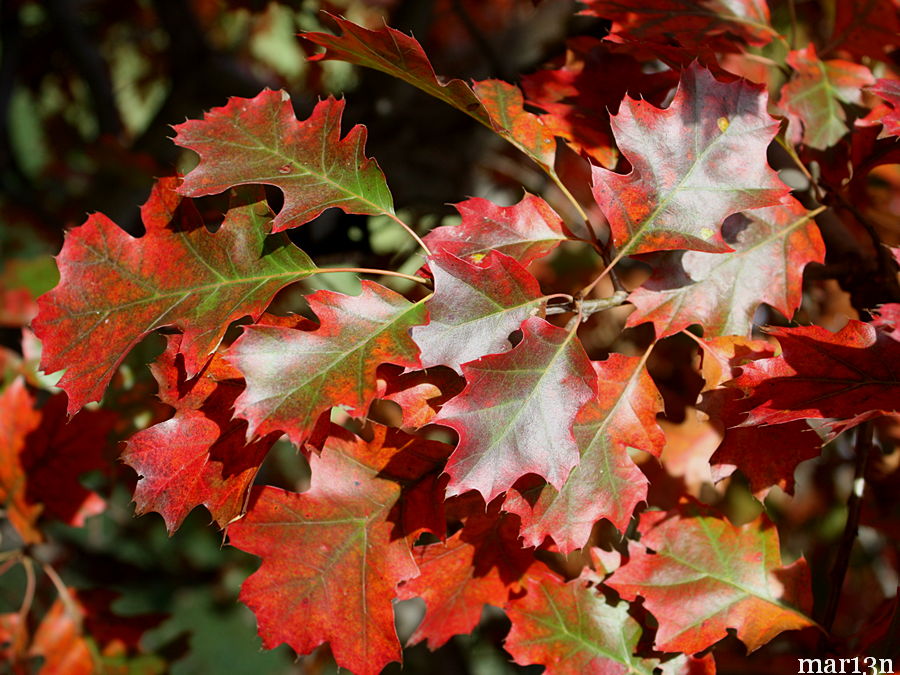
point(854, 504)
point(588, 307)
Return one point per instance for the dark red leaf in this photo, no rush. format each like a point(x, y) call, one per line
point(889, 90)
point(843, 375)
point(43, 455)
point(479, 565)
point(690, 22)
point(200, 455)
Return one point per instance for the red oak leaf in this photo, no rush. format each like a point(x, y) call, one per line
point(259, 140)
point(724, 354)
point(721, 291)
point(813, 96)
point(516, 413)
point(740, 447)
point(866, 27)
point(42, 457)
point(693, 164)
point(330, 559)
point(474, 308)
point(293, 376)
point(479, 565)
point(889, 90)
point(606, 483)
point(503, 102)
point(419, 393)
point(496, 104)
point(399, 55)
point(691, 22)
point(887, 317)
point(700, 575)
point(525, 231)
point(578, 96)
point(199, 456)
point(845, 375)
point(115, 289)
point(571, 629)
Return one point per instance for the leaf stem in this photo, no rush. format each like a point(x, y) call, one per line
point(411, 232)
point(864, 436)
point(587, 289)
point(28, 599)
point(368, 270)
point(64, 595)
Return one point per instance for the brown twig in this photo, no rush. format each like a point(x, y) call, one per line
point(864, 436)
point(589, 307)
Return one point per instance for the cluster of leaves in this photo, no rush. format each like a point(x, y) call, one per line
point(509, 435)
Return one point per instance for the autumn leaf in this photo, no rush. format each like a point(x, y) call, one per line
point(474, 308)
point(259, 140)
point(865, 28)
point(516, 413)
point(606, 483)
point(721, 291)
point(813, 96)
point(481, 564)
point(578, 97)
point(527, 131)
point(889, 90)
point(788, 444)
point(43, 455)
point(330, 560)
point(525, 231)
point(845, 375)
point(690, 22)
point(419, 393)
point(495, 104)
point(399, 55)
point(200, 455)
point(693, 164)
point(295, 375)
point(569, 628)
point(115, 289)
point(700, 575)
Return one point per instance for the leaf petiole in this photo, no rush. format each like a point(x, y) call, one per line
point(367, 270)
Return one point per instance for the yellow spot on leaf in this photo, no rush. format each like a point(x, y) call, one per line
point(723, 123)
point(706, 233)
